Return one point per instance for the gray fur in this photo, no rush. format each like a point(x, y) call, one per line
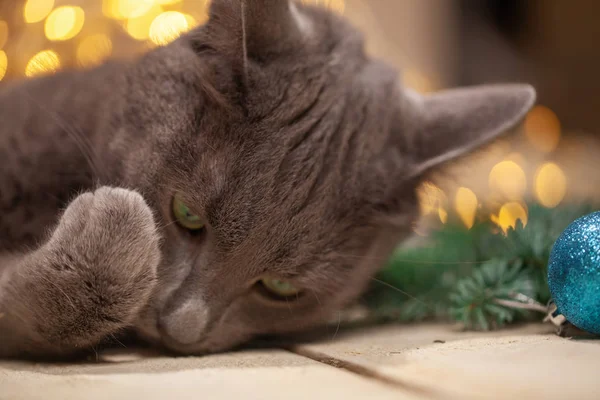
point(301, 153)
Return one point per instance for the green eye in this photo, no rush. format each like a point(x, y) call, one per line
point(184, 216)
point(279, 288)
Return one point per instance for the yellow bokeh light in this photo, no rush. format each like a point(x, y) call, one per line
point(3, 64)
point(124, 9)
point(550, 185)
point(168, 2)
point(542, 128)
point(139, 28)
point(432, 200)
point(509, 214)
point(443, 214)
point(465, 204)
point(168, 26)
point(192, 23)
point(36, 10)
point(3, 33)
point(44, 62)
point(110, 8)
point(94, 49)
point(335, 5)
point(64, 23)
point(508, 178)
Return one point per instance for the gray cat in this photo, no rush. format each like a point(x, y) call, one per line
point(247, 179)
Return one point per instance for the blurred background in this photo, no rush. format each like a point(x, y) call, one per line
point(552, 159)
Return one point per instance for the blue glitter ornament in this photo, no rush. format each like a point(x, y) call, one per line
point(574, 273)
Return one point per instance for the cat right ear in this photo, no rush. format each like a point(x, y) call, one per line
point(255, 28)
point(452, 123)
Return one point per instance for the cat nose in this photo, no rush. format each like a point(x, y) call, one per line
point(184, 322)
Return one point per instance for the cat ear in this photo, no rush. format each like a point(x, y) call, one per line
point(256, 28)
point(454, 122)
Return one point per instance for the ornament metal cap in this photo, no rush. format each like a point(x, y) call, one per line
point(563, 327)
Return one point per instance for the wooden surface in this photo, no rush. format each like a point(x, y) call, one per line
point(394, 362)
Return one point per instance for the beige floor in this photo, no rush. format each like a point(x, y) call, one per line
point(395, 362)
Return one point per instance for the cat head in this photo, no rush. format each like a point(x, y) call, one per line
point(282, 162)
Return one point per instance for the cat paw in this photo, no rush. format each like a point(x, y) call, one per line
point(113, 228)
point(104, 255)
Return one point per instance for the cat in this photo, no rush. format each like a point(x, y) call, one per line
point(246, 179)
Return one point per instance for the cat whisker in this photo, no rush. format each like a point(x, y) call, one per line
point(163, 226)
point(337, 329)
point(112, 335)
point(316, 297)
point(402, 292)
point(414, 261)
point(80, 140)
point(96, 353)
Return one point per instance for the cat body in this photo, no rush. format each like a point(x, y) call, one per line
point(293, 155)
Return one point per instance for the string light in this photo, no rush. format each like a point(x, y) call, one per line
point(508, 178)
point(139, 28)
point(432, 200)
point(125, 9)
point(509, 214)
point(550, 185)
point(44, 62)
point(64, 23)
point(168, 26)
point(93, 50)
point(542, 128)
point(465, 204)
point(443, 214)
point(3, 64)
point(37, 10)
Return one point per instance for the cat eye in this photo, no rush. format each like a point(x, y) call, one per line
point(278, 288)
point(184, 217)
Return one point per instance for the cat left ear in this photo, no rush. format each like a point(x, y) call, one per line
point(256, 28)
point(454, 122)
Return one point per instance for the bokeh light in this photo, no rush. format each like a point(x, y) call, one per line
point(508, 179)
point(92, 50)
point(168, 26)
point(443, 214)
point(124, 9)
point(509, 214)
point(3, 64)
point(3, 33)
point(550, 185)
point(168, 2)
point(64, 23)
point(432, 200)
point(335, 5)
point(139, 28)
point(542, 128)
point(465, 204)
point(36, 10)
point(44, 62)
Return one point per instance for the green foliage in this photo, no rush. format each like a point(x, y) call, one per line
point(459, 274)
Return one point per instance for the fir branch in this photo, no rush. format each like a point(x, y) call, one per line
point(473, 275)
